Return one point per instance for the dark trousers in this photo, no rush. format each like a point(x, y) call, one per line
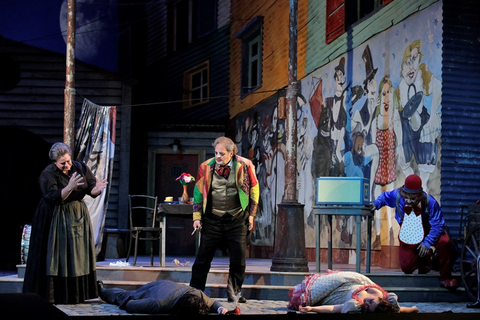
point(218, 232)
point(410, 261)
point(114, 295)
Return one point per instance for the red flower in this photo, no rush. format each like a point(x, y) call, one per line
point(185, 178)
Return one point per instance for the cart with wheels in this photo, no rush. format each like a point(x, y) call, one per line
point(470, 252)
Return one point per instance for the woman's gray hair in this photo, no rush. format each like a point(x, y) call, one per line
point(59, 149)
point(228, 143)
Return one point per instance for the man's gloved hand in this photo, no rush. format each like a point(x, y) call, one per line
point(372, 207)
point(422, 250)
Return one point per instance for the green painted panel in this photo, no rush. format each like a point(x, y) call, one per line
point(319, 53)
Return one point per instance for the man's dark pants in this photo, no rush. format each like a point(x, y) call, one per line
point(216, 232)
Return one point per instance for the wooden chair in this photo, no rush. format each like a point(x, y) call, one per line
point(145, 227)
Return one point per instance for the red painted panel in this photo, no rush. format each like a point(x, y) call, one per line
point(335, 24)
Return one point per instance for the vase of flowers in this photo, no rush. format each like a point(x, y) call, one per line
point(185, 179)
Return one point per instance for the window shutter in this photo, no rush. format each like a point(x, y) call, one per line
point(335, 24)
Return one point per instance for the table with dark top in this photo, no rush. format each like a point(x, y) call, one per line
point(177, 219)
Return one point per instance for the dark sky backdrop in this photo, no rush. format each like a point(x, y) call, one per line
point(42, 23)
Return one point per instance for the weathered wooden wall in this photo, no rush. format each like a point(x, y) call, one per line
point(163, 118)
point(275, 48)
point(35, 105)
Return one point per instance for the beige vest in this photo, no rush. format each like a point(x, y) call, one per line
point(225, 197)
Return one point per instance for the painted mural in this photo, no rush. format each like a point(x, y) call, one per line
point(261, 138)
point(374, 112)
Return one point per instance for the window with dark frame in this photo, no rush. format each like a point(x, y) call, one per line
point(342, 14)
point(196, 85)
point(252, 52)
point(189, 20)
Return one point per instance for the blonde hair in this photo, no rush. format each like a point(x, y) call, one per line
point(408, 51)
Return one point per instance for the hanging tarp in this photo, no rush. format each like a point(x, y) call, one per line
point(95, 146)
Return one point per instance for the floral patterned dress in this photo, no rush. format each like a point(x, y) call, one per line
point(386, 171)
point(333, 288)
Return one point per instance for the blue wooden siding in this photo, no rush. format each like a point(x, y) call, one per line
point(166, 82)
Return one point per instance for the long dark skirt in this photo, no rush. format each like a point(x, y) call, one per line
point(61, 260)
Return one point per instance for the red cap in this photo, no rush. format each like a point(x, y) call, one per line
point(413, 184)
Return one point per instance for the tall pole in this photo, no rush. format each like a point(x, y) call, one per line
point(289, 249)
point(69, 96)
point(291, 113)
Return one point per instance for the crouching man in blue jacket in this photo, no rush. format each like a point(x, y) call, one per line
point(422, 228)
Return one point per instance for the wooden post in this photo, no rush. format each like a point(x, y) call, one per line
point(69, 93)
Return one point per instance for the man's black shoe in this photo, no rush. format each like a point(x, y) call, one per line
point(100, 285)
point(240, 300)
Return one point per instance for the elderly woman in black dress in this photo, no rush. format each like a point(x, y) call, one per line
point(61, 259)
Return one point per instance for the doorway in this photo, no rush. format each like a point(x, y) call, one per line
point(165, 166)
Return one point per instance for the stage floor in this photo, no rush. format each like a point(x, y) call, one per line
point(253, 264)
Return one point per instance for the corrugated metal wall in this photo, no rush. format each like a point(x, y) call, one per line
point(460, 161)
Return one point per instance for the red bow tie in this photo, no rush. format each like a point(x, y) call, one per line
point(224, 171)
point(416, 210)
